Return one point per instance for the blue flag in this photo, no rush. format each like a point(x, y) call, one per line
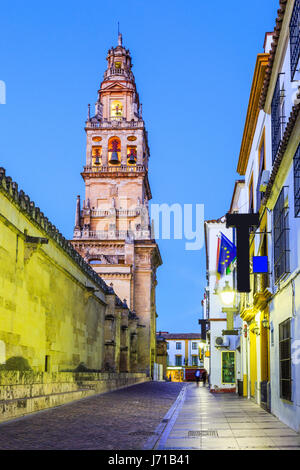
point(226, 255)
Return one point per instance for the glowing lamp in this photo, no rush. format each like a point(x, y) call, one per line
point(227, 294)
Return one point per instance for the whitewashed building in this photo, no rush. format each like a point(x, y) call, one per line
point(186, 353)
point(224, 350)
point(270, 163)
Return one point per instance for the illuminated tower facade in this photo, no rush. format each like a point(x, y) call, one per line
point(112, 226)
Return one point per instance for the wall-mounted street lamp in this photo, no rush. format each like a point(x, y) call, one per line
point(265, 323)
point(256, 330)
point(227, 295)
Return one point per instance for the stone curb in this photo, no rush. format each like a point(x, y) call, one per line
point(163, 429)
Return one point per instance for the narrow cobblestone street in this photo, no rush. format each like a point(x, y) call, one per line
point(123, 419)
point(133, 418)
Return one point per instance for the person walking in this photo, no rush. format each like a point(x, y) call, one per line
point(204, 377)
point(197, 377)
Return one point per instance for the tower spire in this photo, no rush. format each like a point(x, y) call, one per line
point(119, 35)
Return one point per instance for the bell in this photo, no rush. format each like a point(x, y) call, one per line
point(97, 160)
point(131, 157)
point(114, 158)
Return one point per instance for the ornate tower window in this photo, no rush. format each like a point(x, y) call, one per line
point(131, 155)
point(114, 151)
point(116, 109)
point(96, 154)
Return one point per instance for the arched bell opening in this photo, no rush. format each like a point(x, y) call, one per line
point(96, 155)
point(114, 151)
point(131, 155)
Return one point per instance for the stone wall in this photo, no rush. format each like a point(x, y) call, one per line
point(26, 392)
point(56, 313)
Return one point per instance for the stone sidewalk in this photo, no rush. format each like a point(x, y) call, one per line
point(119, 420)
point(224, 422)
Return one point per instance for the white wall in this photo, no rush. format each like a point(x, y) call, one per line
point(215, 306)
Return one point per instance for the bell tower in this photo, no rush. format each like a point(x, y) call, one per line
point(112, 228)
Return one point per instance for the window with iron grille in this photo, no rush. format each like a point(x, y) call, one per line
point(297, 182)
point(251, 202)
point(281, 236)
point(295, 38)
point(285, 360)
point(260, 172)
point(178, 345)
point(277, 117)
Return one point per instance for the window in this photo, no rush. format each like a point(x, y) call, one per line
point(131, 154)
point(178, 345)
point(295, 38)
point(297, 182)
point(194, 360)
point(285, 360)
point(281, 237)
point(168, 345)
point(114, 151)
point(194, 345)
point(251, 202)
point(277, 117)
point(96, 154)
point(262, 167)
point(116, 110)
point(178, 360)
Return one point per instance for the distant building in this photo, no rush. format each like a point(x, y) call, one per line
point(161, 352)
point(185, 353)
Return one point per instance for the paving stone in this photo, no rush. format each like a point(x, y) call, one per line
point(234, 424)
point(123, 419)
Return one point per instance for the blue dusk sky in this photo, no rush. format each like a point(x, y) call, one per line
point(193, 64)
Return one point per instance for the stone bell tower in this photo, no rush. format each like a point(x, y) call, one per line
point(112, 228)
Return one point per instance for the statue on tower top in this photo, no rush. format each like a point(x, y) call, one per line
point(119, 39)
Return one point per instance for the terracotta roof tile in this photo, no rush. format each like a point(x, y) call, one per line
point(182, 336)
